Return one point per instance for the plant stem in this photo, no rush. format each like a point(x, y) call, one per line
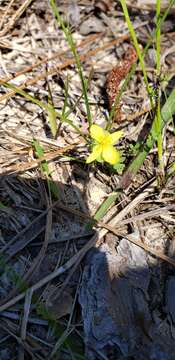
point(158, 55)
point(136, 44)
point(72, 46)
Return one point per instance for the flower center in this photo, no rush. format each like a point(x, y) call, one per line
point(106, 140)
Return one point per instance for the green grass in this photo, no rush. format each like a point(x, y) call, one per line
point(158, 110)
point(72, 45)
point(132, 71)
point(47, 107)
point(66, 339)
point(136, 45)
point(162, 116)
point(52, 187)
point(150, 91)
point(52, 115)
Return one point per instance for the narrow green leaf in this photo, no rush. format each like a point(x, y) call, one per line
point(45, 168)
point(105, 206)
point(70, 41)
point(52, 115)
point(40, 153)
point(166, 115)
point(167, 112)
point(52, 120)
point(40, 104)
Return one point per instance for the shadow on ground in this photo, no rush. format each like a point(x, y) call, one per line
point(127, 306)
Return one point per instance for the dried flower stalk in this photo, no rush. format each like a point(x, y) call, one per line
point(114, 78)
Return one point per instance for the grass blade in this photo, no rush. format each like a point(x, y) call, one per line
point(72, 46)
point(136, 44)
point(42, 104)
point(157, 91)
point(52, 115)
point(166, 116)
point(105, 206)
point(53, 188)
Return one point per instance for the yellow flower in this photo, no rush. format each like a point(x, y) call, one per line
point(103, 148)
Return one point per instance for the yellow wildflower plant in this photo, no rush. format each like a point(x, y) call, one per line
point(103, 149)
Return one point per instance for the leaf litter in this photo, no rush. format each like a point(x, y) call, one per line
point(52, 261)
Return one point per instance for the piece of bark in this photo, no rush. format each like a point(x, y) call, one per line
point(113, 299)
point(116, 308)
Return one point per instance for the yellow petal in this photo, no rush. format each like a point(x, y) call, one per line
point(96, 151)
point(116, 136)
point(110, 154)
point(97, 133)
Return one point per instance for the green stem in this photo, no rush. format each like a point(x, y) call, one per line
point(72, 46)
point(158, 55)
point(136, 44)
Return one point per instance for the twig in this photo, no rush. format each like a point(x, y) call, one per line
point(54, 70)
point(34, 163)
point(39, 258)
point(28, 299)
point(57, 55)
point(6, 12)
point(15, 17)
point(62, 269)
point(76, 259)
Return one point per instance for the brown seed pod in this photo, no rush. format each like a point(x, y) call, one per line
point(114, 78)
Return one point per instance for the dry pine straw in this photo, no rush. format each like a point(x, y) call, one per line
point(73, 263)
point(113, 80)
